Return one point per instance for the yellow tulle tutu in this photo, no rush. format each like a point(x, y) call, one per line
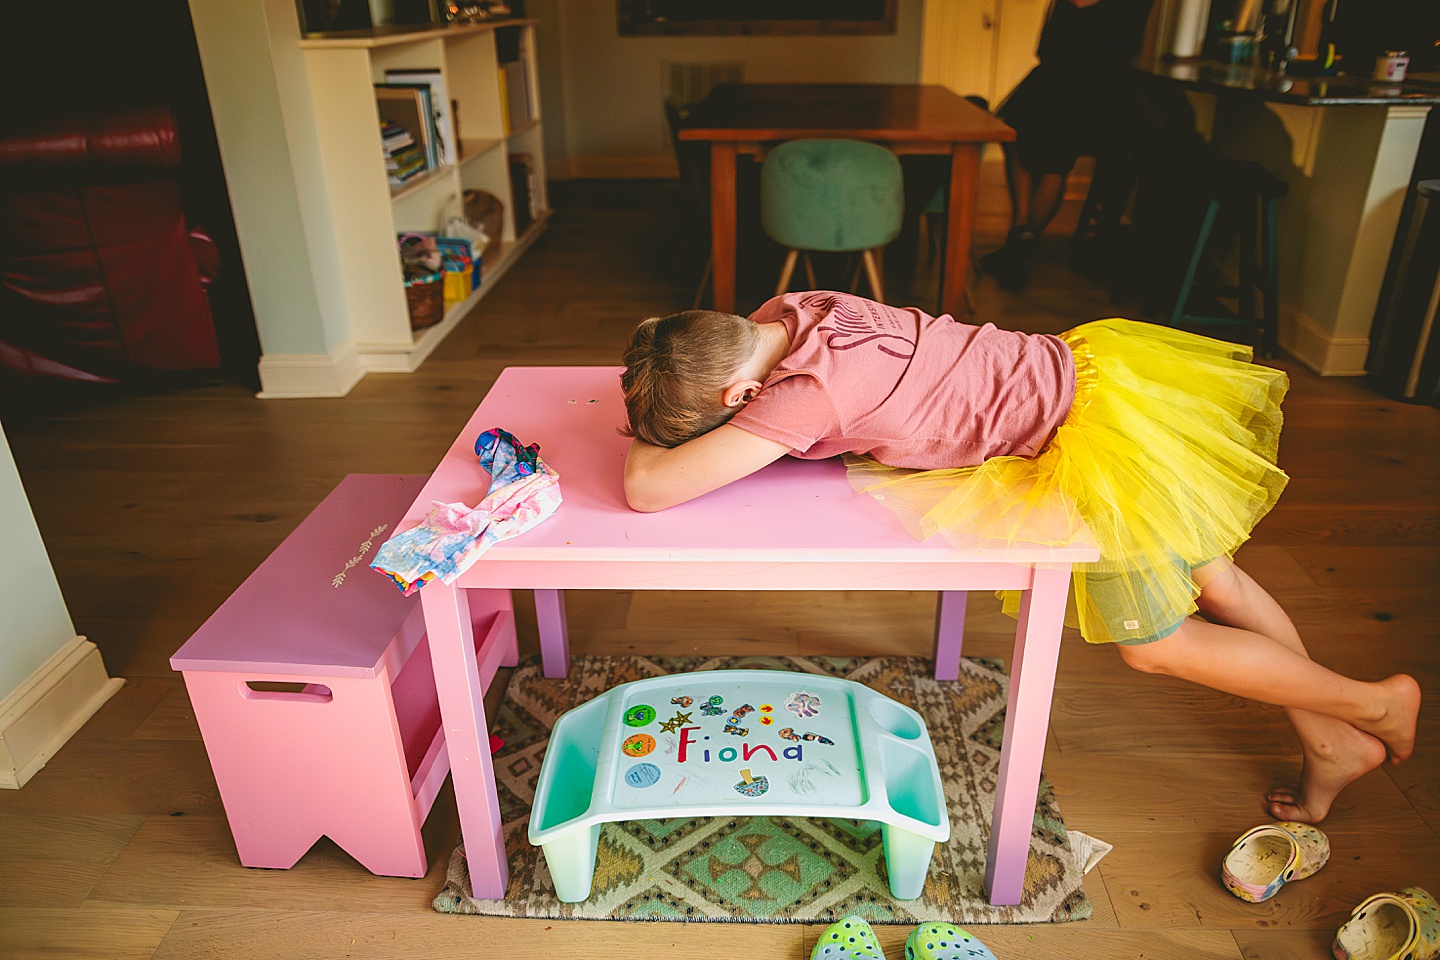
point(1168, 454)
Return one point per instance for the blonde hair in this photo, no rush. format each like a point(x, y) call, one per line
point(676, 369)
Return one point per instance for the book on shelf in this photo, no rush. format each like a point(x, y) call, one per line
point(408, 105)
point(394, 138)
point(405, 157)
point(444, 121)
point(524, 192)
point(501, 82)
point(515, 92)
point(407, 163)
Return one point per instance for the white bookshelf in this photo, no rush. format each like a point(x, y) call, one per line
point(366, 213)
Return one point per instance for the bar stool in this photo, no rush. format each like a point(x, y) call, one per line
point(1253, 193)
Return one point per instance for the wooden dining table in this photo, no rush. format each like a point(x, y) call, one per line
point(908, 118)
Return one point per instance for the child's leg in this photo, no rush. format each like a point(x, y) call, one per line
point(1335, 753)
point(1252, 665)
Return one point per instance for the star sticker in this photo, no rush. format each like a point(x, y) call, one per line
point(675, 722)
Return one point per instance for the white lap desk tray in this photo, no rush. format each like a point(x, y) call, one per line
point(685, 745)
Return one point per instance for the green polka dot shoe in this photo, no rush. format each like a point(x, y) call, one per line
point(848, 939)
point(944, 941)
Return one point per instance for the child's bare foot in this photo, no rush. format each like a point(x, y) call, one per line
point(1396, 728)
point(1331, 765)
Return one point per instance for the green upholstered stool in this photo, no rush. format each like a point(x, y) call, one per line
point(833, 196)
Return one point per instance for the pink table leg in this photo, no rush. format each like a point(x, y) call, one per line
point(467, 735)
point(554, 632)
point(949, 633)
point(1027, 719)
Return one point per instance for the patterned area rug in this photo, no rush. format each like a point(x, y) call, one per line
point(779, 869)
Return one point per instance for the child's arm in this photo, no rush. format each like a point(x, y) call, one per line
point(660, 477)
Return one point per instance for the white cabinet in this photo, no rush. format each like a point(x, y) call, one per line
point(366, 213)
point(982, 47)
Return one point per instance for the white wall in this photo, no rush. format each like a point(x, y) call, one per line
point(34, 623)
point(265, 125)
point(602, 99)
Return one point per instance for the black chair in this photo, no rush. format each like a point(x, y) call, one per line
point(693, 158)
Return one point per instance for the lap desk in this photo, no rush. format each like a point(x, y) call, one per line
point(739, 743)
point(795, 525)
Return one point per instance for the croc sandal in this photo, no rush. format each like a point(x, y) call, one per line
point(1266, 858)
point(944, 941)
point(1392, 926)
point(848, 939)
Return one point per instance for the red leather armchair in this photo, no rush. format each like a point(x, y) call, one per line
point(101, 277)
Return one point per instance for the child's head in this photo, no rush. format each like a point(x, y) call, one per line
point(676, 370)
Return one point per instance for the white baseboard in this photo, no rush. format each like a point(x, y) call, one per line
point(46, 710)
point(1318, 349)
point(285, 376)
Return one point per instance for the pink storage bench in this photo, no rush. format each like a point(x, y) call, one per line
point(315, 694)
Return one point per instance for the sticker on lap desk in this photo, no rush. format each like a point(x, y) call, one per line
point(719, 742)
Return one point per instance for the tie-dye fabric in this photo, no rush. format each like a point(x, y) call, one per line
point(524, 490)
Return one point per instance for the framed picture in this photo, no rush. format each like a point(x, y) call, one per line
point(648, 18)
point(333, 16)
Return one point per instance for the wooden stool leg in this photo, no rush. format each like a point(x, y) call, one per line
point(786, 271)
point(872, 271)
point(704, 282)
point(1182, 299)
point(810, 273)
point(1245, 294)
point(1272, 286)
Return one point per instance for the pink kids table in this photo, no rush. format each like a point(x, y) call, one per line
point(796, 525)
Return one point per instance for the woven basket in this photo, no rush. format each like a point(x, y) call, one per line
point(486, 211)
point(425, 296)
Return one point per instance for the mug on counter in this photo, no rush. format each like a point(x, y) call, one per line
point(1391, 65)
point(1238, 48)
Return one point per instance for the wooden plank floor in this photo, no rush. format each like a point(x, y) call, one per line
point(155, 507)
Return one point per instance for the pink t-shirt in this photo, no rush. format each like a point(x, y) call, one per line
point(906, 388)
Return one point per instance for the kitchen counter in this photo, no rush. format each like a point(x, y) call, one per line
point(1339, 90)
point(1346, 146)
